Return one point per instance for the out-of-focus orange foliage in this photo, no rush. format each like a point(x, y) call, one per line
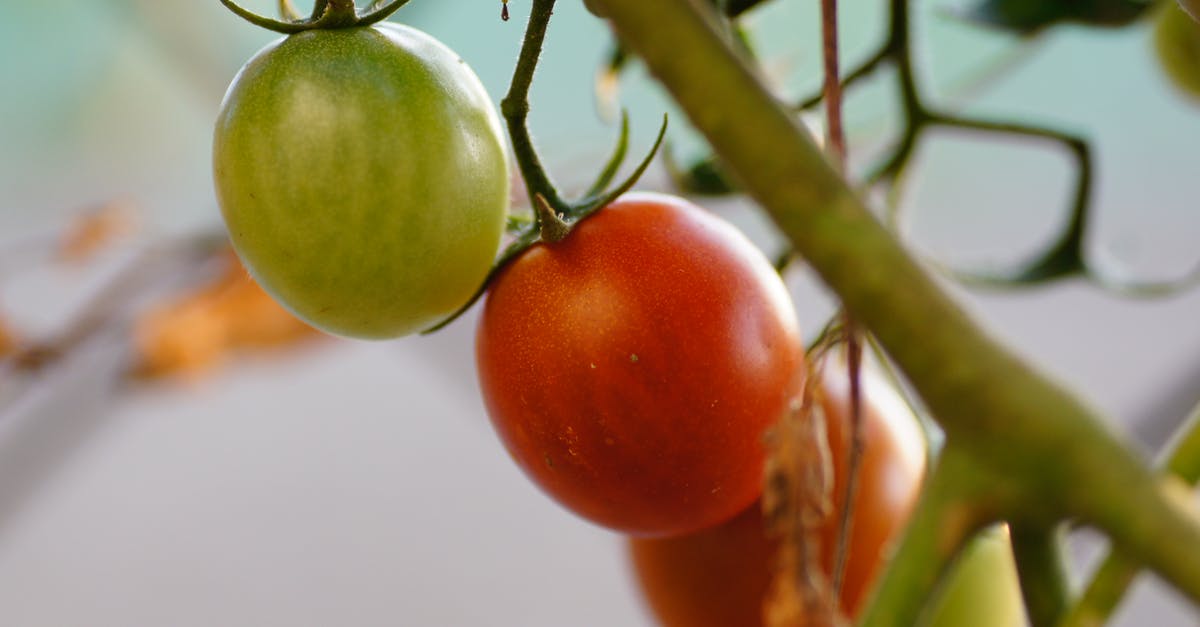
point(8, 341)
point(195, 332)
point(94, 229)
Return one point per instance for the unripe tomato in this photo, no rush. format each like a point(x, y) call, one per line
point(719, 577)
point(981, 589)
point(1177, 42)
point(632, 368)
point(362, 175)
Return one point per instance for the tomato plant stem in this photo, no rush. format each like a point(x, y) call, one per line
point(515, 108)
point(1050, 456)
point(287, 11)
point(1117, 571)
point(319, 7)
point(940, 526)
point(837, 151)
point(1041, 568)
point(833, 87)
point(854, 455)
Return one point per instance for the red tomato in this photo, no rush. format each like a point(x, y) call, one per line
point(719, 577)
point(632, 368)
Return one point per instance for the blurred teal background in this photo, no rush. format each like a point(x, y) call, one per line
point(360, 484)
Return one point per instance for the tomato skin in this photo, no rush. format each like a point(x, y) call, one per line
point(893, 465)
point(720, 576)
point(716, 577)
point(362, 174)
point(1177, 44)
point(632, 368)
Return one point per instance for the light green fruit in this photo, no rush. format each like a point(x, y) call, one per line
point(1177, 42)
point(982, 589)
point(363, 177)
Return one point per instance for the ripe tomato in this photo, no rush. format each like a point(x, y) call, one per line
point(720, 576)
point(362, 174)
point(632, 368)
point(1177, 42)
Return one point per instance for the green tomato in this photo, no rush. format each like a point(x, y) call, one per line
point(1177, 42)
point(982, 589)
point(363, 177)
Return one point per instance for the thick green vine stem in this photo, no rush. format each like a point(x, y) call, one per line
point(1050, 456)
point(1118, 570)
point(942, 523)
point(1042, 570)
point(326, 14)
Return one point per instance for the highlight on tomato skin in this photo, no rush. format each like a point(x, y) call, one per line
point(720, 576)
point(632, 369)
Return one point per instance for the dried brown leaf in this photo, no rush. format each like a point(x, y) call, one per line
point(796, 504)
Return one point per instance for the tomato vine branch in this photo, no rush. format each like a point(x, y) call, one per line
point(837, 150)
point(1116, 573)
point(1042, 570)
point(515, 108)
point(940, 526)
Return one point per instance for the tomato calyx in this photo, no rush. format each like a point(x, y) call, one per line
point(552, 228)
point(552, 224)
point(326, 15)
